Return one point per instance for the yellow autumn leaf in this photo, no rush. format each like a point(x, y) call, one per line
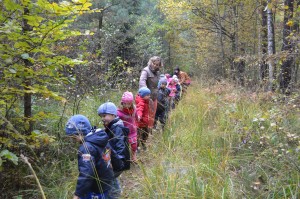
point(290, 23)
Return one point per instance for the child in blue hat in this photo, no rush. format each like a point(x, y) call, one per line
point(142, 100)
point(162, 103)
point(95, 171)
point(118, 142)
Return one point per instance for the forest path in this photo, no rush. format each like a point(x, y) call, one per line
point(131, 180)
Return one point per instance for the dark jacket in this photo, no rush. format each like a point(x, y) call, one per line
point(92, 155)
point(162, 98)
point(118, 142)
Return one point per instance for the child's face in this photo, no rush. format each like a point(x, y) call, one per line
point(147, 97)
point(163, 85)
point(77, 138)
point(107, 118)
point(126, 104)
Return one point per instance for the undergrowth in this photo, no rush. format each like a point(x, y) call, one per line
point(224, 142)
point(219, 142)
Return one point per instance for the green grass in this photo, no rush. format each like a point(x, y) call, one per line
point(213, 147)
point(219, 142)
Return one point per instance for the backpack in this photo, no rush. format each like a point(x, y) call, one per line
point(110, 155)
point(121, 164)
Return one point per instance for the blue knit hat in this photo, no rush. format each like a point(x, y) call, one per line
point(107, 108)
point(144, 91)
point(163, 81)
point(78, 124)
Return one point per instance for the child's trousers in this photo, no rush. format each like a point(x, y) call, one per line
point(116, 190)
point(143, 134)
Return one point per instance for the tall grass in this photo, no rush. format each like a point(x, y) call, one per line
point(220, 143)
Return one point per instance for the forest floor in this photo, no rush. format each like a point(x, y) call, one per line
point(131, 179)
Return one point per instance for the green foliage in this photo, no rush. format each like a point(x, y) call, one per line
point(5, 154)
point(29, 30)
point(31, 66)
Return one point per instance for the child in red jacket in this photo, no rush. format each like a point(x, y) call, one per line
point(142, 112)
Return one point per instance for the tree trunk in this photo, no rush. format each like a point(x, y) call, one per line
point(271, 45)
point(27, 83)
point(263, 66)
point(286, 67)
point(222, 73)
point(296, 29)
point(234, 44)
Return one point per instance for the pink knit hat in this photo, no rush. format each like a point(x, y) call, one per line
point(127, 97)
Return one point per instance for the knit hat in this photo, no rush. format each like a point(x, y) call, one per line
point(144, 91)
point(107, 108)
point(162, 81)
point(127, 97)
point(78, 123)
point(175, 78)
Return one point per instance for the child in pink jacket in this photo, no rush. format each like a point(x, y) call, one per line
point(172, 87)
point(127, 113)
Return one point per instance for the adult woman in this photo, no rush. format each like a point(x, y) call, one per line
point(149, 78)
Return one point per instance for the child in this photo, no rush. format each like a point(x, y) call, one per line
point(172, 87)
point(161, 77)
point(178, 89)
point(118, 143)
point(127, 114)
point(95, 172)
point(162, 105)
point(142, 112)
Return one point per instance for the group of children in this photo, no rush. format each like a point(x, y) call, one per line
point(105, 153)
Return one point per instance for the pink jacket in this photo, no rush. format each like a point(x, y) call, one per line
point(172, 87)
point(128, 117)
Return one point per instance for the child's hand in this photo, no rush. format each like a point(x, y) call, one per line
point(75, 197)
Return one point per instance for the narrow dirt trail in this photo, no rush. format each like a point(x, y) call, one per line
point(131, 180)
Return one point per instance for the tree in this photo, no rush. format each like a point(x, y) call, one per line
point(29, 65)
point(263, 67)
point(287, 46)
point(271, 44)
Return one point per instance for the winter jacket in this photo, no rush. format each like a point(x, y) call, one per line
point(149, 78)
point(172, 87)
point(94, 154)
point(128, 118)
point(178, 91)
point(184, 78)
point(162, 98)
point(142, 111)
point(118, 142)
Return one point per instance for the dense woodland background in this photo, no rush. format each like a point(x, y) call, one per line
point(60, 58)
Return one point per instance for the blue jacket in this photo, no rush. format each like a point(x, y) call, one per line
point(118, 141)
point(95, 172)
